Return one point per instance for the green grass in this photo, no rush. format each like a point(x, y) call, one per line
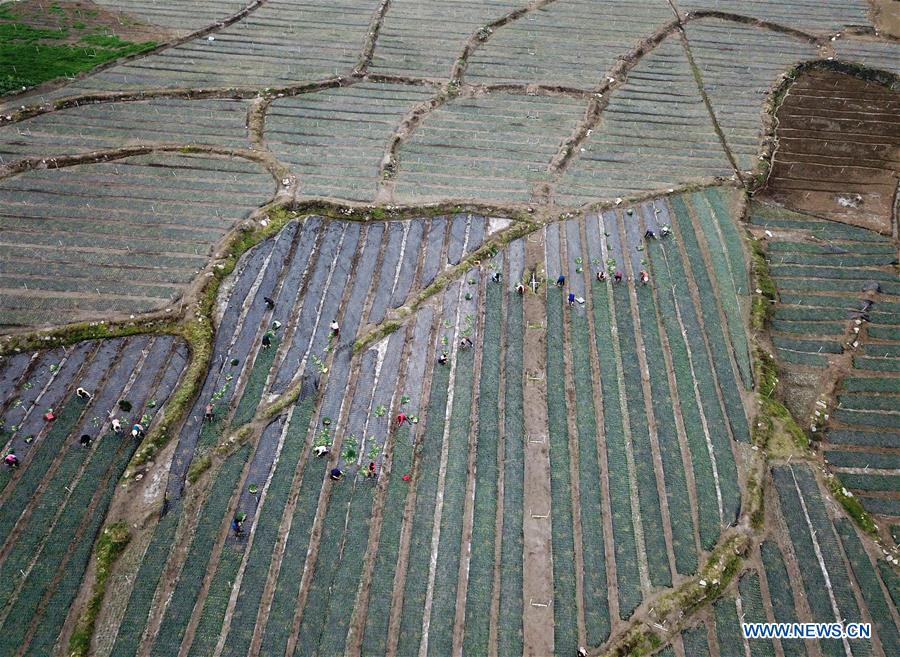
point(32, 55)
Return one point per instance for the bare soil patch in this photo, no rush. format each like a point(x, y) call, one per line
point(838, 153)
point(76, 19)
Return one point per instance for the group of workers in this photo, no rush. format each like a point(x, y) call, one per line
point(12, 461)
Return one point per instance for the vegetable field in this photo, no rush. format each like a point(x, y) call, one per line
point(70, 458)
point(845, 301)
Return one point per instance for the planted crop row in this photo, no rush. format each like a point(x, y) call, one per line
point(256, 382)
point(55, 556)
point(484, 531)
point(871, 482)
point(727, 381)
point(596, 605)
point(864, 402)
point(704, 377)
point(833, 260)
point(873, 419)
point(830, 231)
point(178, 613)
point(509, 632)
point(380, 595)
point(831, 285)
point(864, 438)
point(563, 542)
point(752, 606)
point(884, 506)
point(648, 493)
point(131, 629)
point(884, 332)
point(803, 358)
point(447, 567)
point(216, 603)
point(696, 641)
point(627, 574)
point(879, 460)
point(243, 620)
point(829, 329)
point(826, 272)
point(679, 504)
point(423, 520)
point(869, 587)
point(781, 594)
point(810, 346)
point(701, 463)
point(872, 384)
point(876, 364)
point(728, 628)
point(726, 256)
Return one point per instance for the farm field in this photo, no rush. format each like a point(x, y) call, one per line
point(470, 328)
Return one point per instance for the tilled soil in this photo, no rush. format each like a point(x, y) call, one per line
point(838, 153)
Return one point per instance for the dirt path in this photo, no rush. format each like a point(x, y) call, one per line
point(574, 439)
point(537, 585)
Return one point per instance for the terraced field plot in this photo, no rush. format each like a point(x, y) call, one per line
point(814, 566)
point(53, 504)
point(383, 563)
point(838, 308)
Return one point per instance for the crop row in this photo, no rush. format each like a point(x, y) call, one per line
point(728, 628)
point(781, 594)
point(879, 607)
point(564, 604)
point(484, 531)
point(679, 504)
point(829, 231)
point(871, 384)
point(190, 580)
point(730, 268)
point(648, 492)
point(509, 632)
point(701, 463)
point(703, 373)
point(423, 520)
point(596, 606)
point(624, 541)
point(715, 332)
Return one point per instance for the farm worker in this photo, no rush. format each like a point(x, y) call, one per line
point(443, 358)
point(335, 328)
point(403, 418)
point(649, 234)
point(336, 474)
point(496, 276)
point(85, 440)
point(571, 299)
point(50, 415)
point(237, 526)
point(370, 471)
point(116, 425)
point(618, 276)
point(601, 275)
point(137, 430)
point(560, 281)
point(582, 652)
point(466, 342)
point(666, 230)
point(267, 340)
point(11, 460)
point(269, 303)
point(321, 450)
point(645, 277)
point(83, 394)
point(520, 289)
point(406, 477)
point(208, 413)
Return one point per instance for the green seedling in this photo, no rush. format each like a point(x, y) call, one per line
point(235, 362)
point(28, 385)
point(253, 488)
point(55, 368)
point(124, 405)
point(380, 410)
point(326, 421)
point(404, 399)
